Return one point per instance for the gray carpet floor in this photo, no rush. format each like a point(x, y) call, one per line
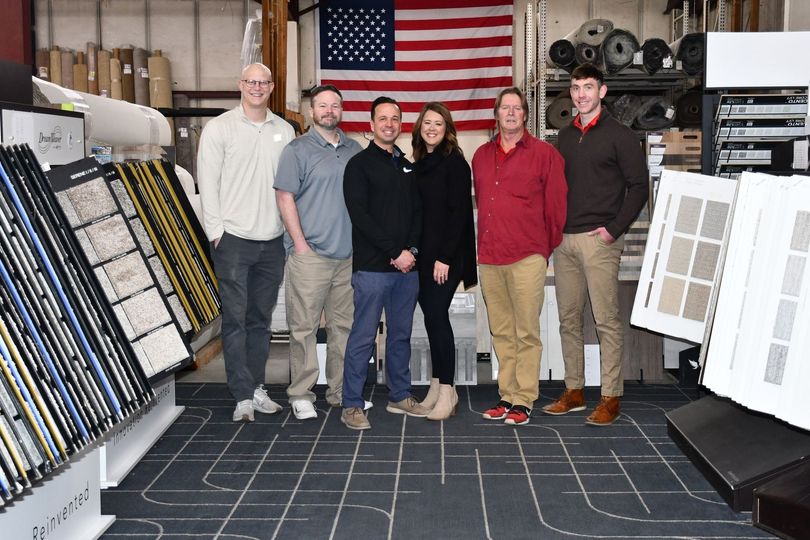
point(465, 478)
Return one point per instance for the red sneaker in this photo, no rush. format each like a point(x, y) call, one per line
point(498, 412)
point(518, 416)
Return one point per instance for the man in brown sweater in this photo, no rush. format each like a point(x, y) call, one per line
point(607, 187)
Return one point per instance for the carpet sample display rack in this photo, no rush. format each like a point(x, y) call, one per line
point(66, 375)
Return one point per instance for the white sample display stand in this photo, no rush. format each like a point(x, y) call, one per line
point(65, 506)
point(127, 443)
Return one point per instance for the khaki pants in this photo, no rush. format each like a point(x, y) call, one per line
point(584, 266)
point(513, 294)
point(316, 284)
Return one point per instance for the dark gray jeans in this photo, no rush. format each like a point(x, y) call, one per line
point(249, 273)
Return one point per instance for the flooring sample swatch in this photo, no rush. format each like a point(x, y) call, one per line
point(97, 207)
point(757, 345)
point(682, 254)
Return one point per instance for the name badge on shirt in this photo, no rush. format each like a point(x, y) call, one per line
point(277, 137)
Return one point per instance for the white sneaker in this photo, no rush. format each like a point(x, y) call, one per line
point(303, 409)
point(263, 403)
point(243, 411)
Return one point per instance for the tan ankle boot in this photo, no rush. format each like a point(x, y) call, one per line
point(432, 396)
point(446, 405)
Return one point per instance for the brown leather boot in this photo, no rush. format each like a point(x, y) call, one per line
point(570, 401)
point(606, 412)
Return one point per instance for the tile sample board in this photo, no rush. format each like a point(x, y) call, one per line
point(117, 258)
point(691, 216)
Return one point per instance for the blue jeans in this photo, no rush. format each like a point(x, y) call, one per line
point(374, 291)
point(249, 273)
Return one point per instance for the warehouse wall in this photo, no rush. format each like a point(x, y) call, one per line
point(170, 26)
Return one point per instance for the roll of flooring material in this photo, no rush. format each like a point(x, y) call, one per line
point(140, 58)
point(689, 51)
point(110, 121)
point(617, 50)
point(688, 109)
point(92, 68)
point(560, 112)
point(656, 112)
point(127, 74)
point(562, 53)
point(626, 108)
point(67, 67)
point(585, 53)
point(80, 73)
point(104, 82)
point(160, 80)
point(593, 32)
point(43, 64)
point(116, 90)
point(56, 66)
point(655, 53)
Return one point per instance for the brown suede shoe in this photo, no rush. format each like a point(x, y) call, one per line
point(606, 412)
point(570, 401)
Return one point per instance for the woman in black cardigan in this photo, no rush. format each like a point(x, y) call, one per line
point(447, 249)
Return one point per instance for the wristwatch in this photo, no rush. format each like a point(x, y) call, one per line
point(413, 251)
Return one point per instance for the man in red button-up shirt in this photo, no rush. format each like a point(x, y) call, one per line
point(521, 193)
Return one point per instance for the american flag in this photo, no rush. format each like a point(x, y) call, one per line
point(415, 51)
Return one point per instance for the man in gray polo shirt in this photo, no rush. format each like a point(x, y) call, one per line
point(309, 192)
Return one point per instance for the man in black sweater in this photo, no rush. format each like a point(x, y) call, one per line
point(383, 203)
point(607, 188)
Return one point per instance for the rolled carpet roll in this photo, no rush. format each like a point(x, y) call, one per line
point(141, 76)
point(690, 51)
point(586, 53)
point(593, 32)
point(560, 112)
point(127, 74)
point(617, 50)
point(80, 73)
point(43, 64)
point(656, 112)
point(56, 66)
point(625, 108)
point(116, 91)
point(654, 52)
point(104, 83)
point(160, 80)
point(92, 68)
point(688, 109)
point(562, 53)
point(67, 67)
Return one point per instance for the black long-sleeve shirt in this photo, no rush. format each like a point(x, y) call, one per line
point(448, 234)
point(607, 176)
point(383, 203)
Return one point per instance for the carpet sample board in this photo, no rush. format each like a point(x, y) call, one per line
point(121, 267)
point(66, 377)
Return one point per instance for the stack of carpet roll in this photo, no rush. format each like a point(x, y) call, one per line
point(612, 49)
point(642, 112)
point(127, 73)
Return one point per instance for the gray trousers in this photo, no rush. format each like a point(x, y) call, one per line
point(249, 273)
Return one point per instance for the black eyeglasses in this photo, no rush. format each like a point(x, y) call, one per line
point(252, 82)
